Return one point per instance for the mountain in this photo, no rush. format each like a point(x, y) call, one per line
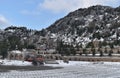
point(80, 27)
point(85, 25)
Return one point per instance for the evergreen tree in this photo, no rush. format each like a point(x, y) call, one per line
point(105, 51)
point(89, 45)
point(73, 51)
point(66, 50)
point(84, 51)
point(59, 47)
point(111, 45)
point(93, 51)
point(30, 47)
point(110, 53)
point(118, 52)
point(14, 40)
point(101, 53)
point(3, 48)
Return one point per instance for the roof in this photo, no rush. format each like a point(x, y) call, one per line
point(16, 51)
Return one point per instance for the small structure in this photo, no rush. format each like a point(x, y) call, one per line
point(27, 55)
point(15, 55)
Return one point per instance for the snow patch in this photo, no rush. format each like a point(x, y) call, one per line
point(15, 63)
point(71, 63)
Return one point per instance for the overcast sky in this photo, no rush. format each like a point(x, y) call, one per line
point(38, 14)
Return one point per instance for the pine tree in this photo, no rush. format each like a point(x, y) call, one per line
point(93, 51)
point(73, 51)
point(101, 53)
point(110, 53)
point(105, 51)
point(3, 48)
point(118, 52)
point(84, 51)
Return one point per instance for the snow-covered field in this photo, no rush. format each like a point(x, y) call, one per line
point(74, 69)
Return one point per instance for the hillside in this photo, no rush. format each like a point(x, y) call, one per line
point(88, 24)
point(77, 29)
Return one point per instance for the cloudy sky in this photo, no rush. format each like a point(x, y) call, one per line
point(38, 14)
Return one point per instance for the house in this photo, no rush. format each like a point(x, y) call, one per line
point(15, 55)
point(21, 55)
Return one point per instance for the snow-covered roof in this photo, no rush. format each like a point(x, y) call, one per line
point(16, 51)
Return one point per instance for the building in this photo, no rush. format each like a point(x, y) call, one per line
point(15, 55)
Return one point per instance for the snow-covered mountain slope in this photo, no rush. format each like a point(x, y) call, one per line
point(82, 26)
point(87, 24)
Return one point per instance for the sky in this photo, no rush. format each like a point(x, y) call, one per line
point(39, 14)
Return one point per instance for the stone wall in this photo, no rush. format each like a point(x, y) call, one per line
point(82, 58)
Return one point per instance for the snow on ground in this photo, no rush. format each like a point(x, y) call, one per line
point(62, 64)
point(74, 69)
point(15, 62)
point(26, 63)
